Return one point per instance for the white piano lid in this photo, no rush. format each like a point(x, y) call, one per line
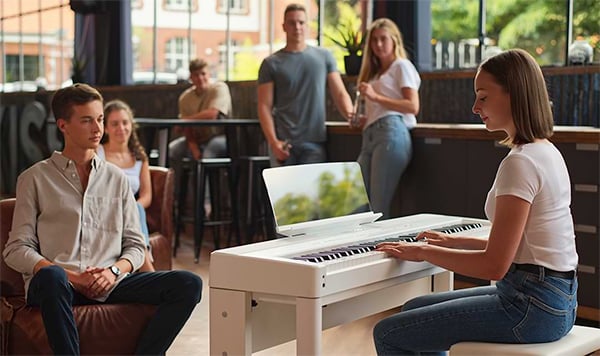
point(311, 198)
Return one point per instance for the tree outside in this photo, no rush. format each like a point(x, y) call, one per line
point(538, 26)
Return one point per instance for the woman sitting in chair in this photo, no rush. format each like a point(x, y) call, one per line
point(121, 147)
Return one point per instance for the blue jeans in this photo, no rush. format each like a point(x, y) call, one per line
point(175, 292)
point(302, 153)
point(144, 223)
point(386, 151)
point(521, 308)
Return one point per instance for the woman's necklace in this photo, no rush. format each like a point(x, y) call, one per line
point(119, 157)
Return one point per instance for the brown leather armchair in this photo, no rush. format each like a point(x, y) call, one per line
point(159, 216)
point(103, 328)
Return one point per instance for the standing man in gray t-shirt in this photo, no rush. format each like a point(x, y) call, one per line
point(291, 95)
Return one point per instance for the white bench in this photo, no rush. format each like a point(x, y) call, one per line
point(581, 340)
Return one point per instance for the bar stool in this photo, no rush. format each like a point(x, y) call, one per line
point(247, 147)
point(258, 216)
point(213, 170)
point(184, 173)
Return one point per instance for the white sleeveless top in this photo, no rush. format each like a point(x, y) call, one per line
point(132, 173)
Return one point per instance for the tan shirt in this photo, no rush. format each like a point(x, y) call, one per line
point(215, 96)
point(56, 220)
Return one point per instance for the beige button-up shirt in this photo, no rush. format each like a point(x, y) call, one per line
point(56, 220)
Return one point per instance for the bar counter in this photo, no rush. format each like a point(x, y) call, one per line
point(562, 134)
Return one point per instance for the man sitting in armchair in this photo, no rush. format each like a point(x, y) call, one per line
point(76, 236)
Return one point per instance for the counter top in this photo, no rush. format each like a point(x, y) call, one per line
point(578, 134)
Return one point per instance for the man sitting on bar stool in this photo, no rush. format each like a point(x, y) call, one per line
point(202, 101)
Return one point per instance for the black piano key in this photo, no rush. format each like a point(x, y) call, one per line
point(306, 258)
point(343, 251)
point(300, 258)
point(359, 249)
point(325, 256)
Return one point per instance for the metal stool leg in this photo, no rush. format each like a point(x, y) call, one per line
point(181, 175)
point(214, 185)
point(232, 182)
point(199, 215)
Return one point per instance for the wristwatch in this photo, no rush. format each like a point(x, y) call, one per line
point(115, 270)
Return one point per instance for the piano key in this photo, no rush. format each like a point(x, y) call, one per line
point(368, 246)
point(343, 251)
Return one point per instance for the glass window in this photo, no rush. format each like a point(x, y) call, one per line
point(343, 26)
point(234, 36)
point(137, 4)
point(177, 5)
point(538, 26)
point(27, 63)
point(36, 44)
point(586, 17)
point(454, 34)
point(235, 6)
point(177, 54)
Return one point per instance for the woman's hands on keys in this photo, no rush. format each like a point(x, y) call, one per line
point(412, 251)
point(436, 238)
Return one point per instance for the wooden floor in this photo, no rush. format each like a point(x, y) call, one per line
point(349, 339)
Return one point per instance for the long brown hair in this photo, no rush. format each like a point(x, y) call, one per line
point(133, 144)
point(371, 65)
point(517, 72)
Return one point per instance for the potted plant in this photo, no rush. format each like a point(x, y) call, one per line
point(79, 64)
point(351, 39)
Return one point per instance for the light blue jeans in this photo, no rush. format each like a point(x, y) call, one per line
point(385, 152)
point(523, 307)
point(143, 223)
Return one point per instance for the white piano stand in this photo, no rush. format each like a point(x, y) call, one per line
point(242, 322)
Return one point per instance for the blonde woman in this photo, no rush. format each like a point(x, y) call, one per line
point(389, 84)
point(121, 147)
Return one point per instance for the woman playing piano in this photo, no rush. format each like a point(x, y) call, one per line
point(531, 246)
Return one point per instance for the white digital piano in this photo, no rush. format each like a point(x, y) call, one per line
point(323, 274)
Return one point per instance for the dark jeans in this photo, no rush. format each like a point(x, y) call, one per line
point(175, 292)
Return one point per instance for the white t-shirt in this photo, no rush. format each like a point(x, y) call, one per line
point(537, 173)
point(401, 74)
